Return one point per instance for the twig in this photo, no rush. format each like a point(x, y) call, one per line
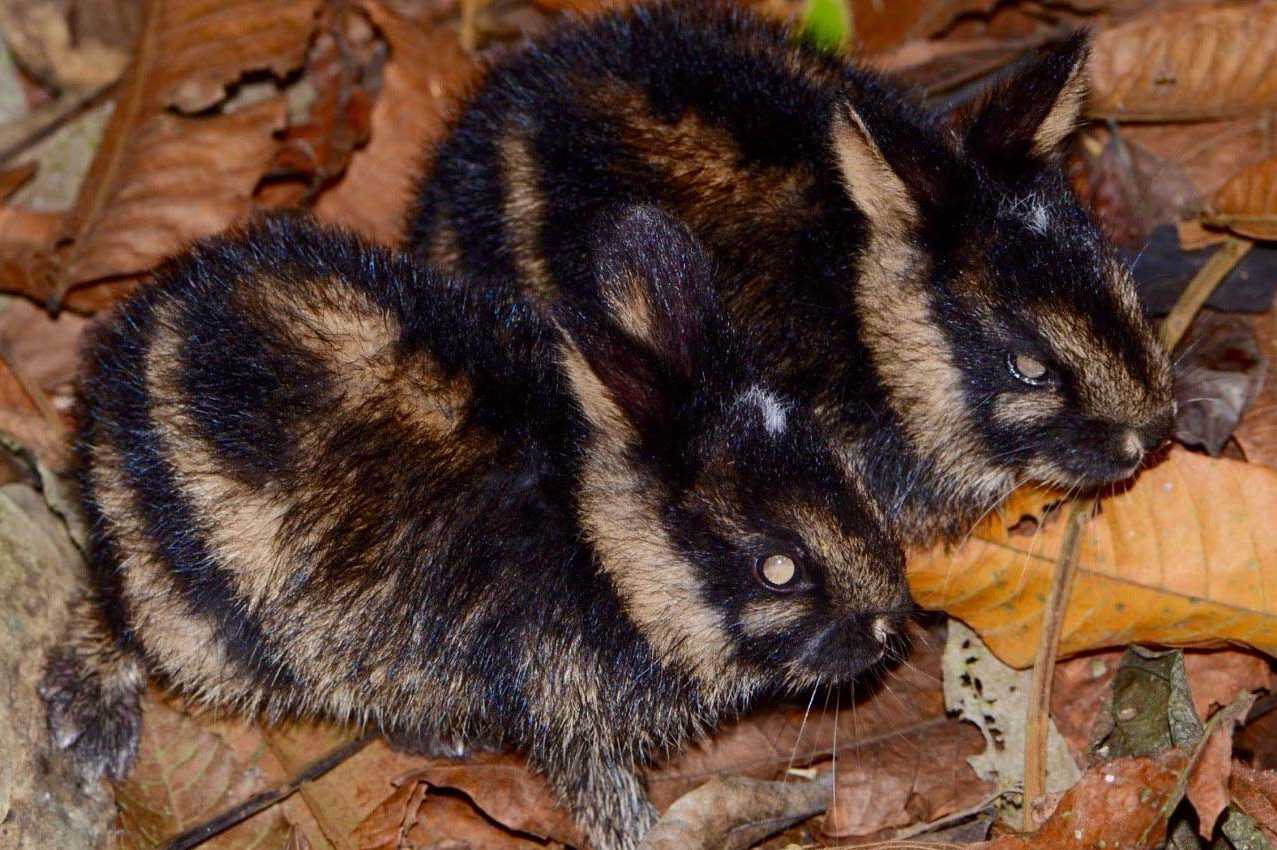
point(470, 24)
point(202, 832)
point(1038, 721)
point(1063, 575)
point(18, 136)
point(1199, 289)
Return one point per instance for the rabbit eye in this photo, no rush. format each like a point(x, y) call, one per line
point(778, 571)
point(1028, 369)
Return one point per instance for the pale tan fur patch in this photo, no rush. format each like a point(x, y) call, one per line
point(1109, 390)
point(1062, 118)
point(525, 212)
point(868, 178)
point(183, 643)
point(243, 531)
point(596, 403)
point(767, 618)
point(631, 309)
point(1015, 409)
point(913, 360)
point(658, 588)
point(357, 341)
point(712, 182)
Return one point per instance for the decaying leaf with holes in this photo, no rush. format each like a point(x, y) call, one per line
point(985, 691)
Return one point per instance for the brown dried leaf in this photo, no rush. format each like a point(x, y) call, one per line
point(909, 705)
point(1130, 190)
point(24, 237)
point(317, 146)
point(1255, 793)
point(425, 67)
point(185, 774)
point(447, 823)
point(504, 789)
point(940, 65)
point(1192, 63)
point(387, 825)
point(1207, 153)
point(1208, 782)
point(13, 179)
point(161, 178)
point(1122, 803)
point(878, 26)
point(1218, 376)
point(903, 781)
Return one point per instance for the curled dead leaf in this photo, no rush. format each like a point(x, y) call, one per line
point(1123, 803)
point(75, 44)
point(1192, 63)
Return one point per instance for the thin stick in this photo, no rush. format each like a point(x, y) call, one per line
point(1199, 289)
point(18, 136)
point(202, 832)
point(1038, 721)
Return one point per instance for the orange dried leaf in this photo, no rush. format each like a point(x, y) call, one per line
point(1187, 555)
point(160, 178)
point(1247, 203)
point(1191, 63)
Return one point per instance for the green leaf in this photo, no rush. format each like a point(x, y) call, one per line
point(827, 24)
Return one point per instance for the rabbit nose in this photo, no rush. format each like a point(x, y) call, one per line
point(1132, 447)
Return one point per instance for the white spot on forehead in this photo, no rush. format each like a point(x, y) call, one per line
point(771, 408)
point(1033, 210)
point(1038, 218)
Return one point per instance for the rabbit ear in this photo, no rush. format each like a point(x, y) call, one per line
point(1030, 115)
point(874, 185)
point(644, 338)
